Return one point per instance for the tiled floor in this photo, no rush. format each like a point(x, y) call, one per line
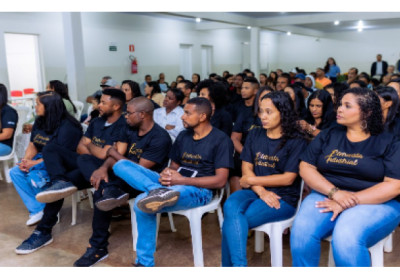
point(173, 249)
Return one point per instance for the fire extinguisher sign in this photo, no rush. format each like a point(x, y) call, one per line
point(131, 48)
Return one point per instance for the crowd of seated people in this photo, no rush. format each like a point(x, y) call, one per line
point(172, 147)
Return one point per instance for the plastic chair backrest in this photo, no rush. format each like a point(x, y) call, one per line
point(79, 108)
point(16, 93)
point(29, 90)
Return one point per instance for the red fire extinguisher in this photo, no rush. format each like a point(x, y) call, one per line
point(134, 65)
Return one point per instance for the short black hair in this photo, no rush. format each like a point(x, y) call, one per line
point(188, 84)
point(116, 94)
point(202, 106)
point(252, 81)
point(177, 93)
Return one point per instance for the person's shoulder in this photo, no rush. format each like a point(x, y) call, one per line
point(178, 109)
point(218, 135)
point(159, 132)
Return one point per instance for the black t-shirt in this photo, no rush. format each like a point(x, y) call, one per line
point(261, 151)
point(154, 145)
point(9, 119)
point(66, 135)
point(204, 155)
point(101, 134)
point(354, 166)
point(395, 127)
point(222, 120)
point(245, 122)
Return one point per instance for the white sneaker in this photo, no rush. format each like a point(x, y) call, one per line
point(34, 219)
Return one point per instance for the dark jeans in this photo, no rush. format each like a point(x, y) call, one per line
point(60, 164)
point(102, 219)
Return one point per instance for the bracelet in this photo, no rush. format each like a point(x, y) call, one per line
point(332, 192)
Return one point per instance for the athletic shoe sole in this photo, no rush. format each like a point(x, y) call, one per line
point(25, 252)
point(153, 204)
point(111, 203)
point(51, 196)
point(105, 257)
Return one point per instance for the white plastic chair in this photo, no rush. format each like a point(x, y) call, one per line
point(75, 199)
point(376, 251)
point(194, 216)
point(275, 231)
point(134, 224)
point(22, 115)
point(79, 108)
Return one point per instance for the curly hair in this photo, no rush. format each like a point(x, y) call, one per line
point(289, 119)
point(370, 107)
point(135, 88)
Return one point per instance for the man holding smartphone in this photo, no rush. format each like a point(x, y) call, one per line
point(202, 149)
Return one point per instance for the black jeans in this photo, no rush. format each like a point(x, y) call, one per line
point(63, 165)
point(102, 219)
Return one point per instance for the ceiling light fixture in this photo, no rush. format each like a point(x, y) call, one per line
point(288, 33)
point(336, 22)
point(359, 29)
point(249, 27)
point(198, 19)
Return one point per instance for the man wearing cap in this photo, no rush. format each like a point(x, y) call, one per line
point(69, 171)
point(98, 92)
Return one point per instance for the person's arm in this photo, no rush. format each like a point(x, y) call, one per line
point(217, 181)
point(317, 182)
point(6, 133)
point(82, 146)
point(236, 137)
point(27, 162)
point(380, 193)
point(175, 128)
point(98, 152)
point(276, 180)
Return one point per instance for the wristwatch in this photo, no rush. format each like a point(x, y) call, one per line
point(332, 192)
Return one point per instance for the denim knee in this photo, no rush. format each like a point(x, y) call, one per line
point(16, 172)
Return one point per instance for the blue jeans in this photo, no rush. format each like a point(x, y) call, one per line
point(146, 180)
point(5, 149)
point(245, 210)
point(26, 190)
point(353, 231)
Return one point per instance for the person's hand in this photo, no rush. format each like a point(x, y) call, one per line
point(244, 182)
point(170, 177)
point(345, 199)
point(27, 128)
point(271, 198)
point(99, 175)
point(26, 164)
point(329, 206)
point(303, 124)
point(169, 127)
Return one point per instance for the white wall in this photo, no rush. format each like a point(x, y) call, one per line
point(349, 49)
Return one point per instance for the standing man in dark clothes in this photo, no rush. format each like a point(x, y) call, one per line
point(62, 165)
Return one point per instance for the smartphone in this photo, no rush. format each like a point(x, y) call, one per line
point(187, 172)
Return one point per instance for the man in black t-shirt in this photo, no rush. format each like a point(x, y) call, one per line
point(205, 155)
point(245, 121)
point(141, 142)
point(63, 166)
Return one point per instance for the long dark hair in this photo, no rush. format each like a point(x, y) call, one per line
point(134, 88)
point(370, 107)
point(156, 88)
point(328, 114)
point(54, 112)
point(62, 90)
point(3, 96)
point(389, 94)
point(289, 118)
point(327, 65)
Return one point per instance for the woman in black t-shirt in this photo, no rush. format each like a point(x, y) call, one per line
point(270, 181)
point(353, 172)
point(53, 123)
point(319, 114)
point(8, 123)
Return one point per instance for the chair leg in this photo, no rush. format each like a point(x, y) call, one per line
point(331, 261)
point(6, 171)
point(388, 246)
point(220, 217)
point(74, 207)
point(275, 244)
point(197, 242)
point(259, 241)
point(171, 222)
point(133, 224)
point(376, 253)
point(90, 197)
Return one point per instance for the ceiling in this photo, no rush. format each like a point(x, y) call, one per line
point(316, 24)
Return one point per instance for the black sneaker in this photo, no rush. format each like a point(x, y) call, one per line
point(112, 198)
point(59, 190)
point(158, 199)
point(91, 257)
point(34, 242)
